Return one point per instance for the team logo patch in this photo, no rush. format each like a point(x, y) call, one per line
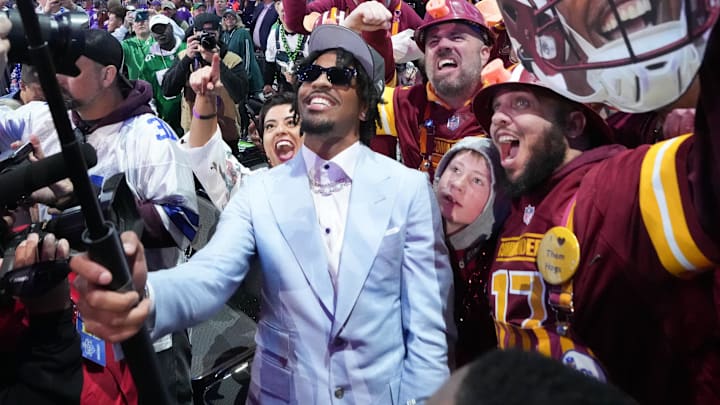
point(528, 214)
point(453, 123)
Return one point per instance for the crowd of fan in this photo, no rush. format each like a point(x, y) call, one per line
point(181, 99)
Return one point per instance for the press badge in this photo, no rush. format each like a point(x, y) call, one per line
point(93, 348)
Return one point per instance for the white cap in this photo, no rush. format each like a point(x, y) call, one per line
point(159, 19)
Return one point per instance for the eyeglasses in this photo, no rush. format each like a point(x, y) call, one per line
point(335, 75)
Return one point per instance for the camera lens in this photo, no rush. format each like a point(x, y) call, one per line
point(63, 32)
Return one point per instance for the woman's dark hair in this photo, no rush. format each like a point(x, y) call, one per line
point(366, 91)
point(283, 98)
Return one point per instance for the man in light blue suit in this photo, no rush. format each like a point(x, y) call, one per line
point(357, 286)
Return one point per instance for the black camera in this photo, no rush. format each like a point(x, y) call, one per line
point(207, 40)
point(118, 205)
point(63, 33)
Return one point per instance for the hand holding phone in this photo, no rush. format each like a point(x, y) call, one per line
point(11, 157)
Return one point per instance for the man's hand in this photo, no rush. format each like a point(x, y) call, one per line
point(114, 316)
point(193, 46)
point(208, 55)
point(129, 20)
point(369, 16)
point(52, 6)
point(27, 253)
point(268, 90)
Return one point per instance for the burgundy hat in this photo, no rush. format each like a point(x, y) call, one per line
point(596, 127)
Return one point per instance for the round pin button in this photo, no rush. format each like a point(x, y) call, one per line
point(558, 255)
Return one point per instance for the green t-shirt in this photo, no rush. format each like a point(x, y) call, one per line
point(156, 63)
point(135, 50)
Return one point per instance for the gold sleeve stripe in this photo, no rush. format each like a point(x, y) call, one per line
point(543, 345)
point(387, 114)
point(662, 211)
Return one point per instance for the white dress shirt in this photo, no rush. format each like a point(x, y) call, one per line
point(330, 183)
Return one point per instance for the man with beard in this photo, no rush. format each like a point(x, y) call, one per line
point(428, 118)
point(356, 280)
point(115, 117)
point(602, 263)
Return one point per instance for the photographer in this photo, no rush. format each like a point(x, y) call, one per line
point(201, 46)
point(115, 117)
point(40, 346)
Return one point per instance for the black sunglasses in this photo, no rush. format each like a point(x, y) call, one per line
point(159, 28)
point(335, 75)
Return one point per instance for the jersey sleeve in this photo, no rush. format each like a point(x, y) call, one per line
point(215, 168)
point(387, 113)
point(159, 172)
point(669, 217)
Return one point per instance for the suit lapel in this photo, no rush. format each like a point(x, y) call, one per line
point(290, 200)
point(369, 212)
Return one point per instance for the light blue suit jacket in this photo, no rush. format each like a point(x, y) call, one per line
point(382, 337)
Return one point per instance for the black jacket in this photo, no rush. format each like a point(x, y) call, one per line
point(235, 80)
point(46, 368)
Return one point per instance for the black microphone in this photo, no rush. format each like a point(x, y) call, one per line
point(22, 180)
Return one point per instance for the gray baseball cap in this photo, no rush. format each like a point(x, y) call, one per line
point(330, 36)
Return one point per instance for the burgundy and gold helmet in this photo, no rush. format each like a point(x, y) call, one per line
point(442, 11)
point(636, 55)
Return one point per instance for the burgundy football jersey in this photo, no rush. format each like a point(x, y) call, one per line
point(422, 122)
point(636, 321)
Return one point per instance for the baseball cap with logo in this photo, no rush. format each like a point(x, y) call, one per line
point(141, 15)
point(168, 4)
point(103, 48)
